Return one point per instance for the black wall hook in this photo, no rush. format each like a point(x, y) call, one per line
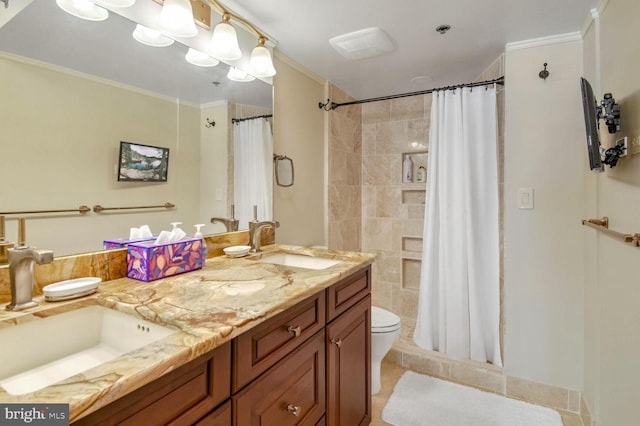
point(210, 123)
point(544, 73)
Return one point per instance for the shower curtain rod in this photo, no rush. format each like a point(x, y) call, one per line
point(330, 106)
point(237, 120)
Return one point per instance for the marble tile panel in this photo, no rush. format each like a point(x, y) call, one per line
point(415, 212)
point(376, 112)
point(377, 234)
point(433, 367)
point(417, 135)
point(538, 393)
point(353, 169)
point(369, 201)
point(381, 169)
point(381, 294)
point(392, 137)
point(408, 108)
point(389, 266)
point(411, 274)
point(479, 375)
point(388, 201)
point(337, 167)
point(369, 132)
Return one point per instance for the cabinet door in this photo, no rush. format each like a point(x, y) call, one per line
point(349, 367)
point(221, 416)
point(290, 393)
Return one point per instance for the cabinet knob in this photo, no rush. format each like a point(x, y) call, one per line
point(293, 409)
point(294, 330)
point(337, 342)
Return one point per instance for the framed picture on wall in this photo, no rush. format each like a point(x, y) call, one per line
point(142, 163)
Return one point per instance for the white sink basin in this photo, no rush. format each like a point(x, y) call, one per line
point(39, 353)
point(299, 261)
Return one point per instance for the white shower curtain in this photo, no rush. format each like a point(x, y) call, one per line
point(459, 302)
point(252, 170)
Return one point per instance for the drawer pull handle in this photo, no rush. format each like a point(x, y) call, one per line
point(293, 409)
point(337, 342)
point(294, 330)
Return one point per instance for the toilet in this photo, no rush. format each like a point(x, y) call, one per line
point(385, 329)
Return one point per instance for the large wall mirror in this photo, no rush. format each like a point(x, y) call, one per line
point(71, 90)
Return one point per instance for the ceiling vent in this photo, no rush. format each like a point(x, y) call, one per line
point(363, 43)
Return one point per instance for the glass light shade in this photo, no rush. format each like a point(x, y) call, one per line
point(195, 57)
point(176, 19)
point(151, 37)
point(224, 42)
point(84, 9)
point(236, 74)
point(260, 64)
point(116, 3)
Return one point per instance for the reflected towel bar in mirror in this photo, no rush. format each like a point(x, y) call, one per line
point(98, 208)
point(603, 226)
point(81, 209)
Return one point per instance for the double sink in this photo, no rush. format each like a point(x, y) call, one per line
point(36, 354)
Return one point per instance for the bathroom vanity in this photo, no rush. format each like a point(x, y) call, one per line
point(255, 343)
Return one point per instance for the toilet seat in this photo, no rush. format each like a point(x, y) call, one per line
point(383, 321)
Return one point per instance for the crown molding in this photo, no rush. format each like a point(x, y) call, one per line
point(544, 41)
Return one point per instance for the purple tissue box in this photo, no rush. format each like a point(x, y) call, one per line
point(147, 261)
point(122, 243)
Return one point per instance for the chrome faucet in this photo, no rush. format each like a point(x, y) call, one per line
point(255, 228)
point(21, 262)
point(231, 224)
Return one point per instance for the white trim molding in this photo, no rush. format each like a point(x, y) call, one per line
point(544, 41)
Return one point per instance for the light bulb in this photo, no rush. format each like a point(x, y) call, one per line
point(236, 74)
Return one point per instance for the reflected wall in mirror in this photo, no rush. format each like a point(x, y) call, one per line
point(72, 90)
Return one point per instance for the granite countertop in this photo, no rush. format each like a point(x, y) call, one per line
point(207, 308)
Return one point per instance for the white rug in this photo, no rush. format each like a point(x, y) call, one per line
point(422, 400)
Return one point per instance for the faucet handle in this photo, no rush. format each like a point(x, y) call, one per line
point(22, 233)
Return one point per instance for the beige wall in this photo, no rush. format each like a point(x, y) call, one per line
point(613, 302)
point(299, 134)
point(543, 247)
point(60, 140)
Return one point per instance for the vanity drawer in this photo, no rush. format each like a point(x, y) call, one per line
point(261, 347)
point(291, 393)
point(346, 293)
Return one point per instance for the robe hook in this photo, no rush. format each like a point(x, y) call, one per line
point(544, 73)
point(210, 123)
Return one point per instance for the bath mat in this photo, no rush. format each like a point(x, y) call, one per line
point(423, 400)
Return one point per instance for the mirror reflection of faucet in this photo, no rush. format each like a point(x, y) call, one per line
point(256, 227)
point(21, 262)
point(231, 224)
point(4, 244)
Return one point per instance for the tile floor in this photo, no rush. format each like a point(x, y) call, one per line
point(390, 375)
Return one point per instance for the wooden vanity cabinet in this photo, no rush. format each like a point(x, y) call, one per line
point(348, 348)
point(308, 365)
point(180, 397)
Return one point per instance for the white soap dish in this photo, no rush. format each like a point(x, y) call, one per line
point(237, 251)
point(71, 289)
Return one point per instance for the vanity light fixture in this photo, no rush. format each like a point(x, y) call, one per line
point(261, 64)
point(176, 19)
point(151, 37)
point(200, 59)
point(236, 74)
point(116, 3)
point(224, 41)
point(84, 9)
point(224, 44)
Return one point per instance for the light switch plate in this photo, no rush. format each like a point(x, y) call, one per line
point(525, 198)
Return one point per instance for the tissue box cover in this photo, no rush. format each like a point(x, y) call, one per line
point(122, 243)
point(147, 261)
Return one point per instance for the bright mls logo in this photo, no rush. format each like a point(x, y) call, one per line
point(34, 414)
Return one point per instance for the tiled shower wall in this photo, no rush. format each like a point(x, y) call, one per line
point(393, 211)
point(345, 174)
